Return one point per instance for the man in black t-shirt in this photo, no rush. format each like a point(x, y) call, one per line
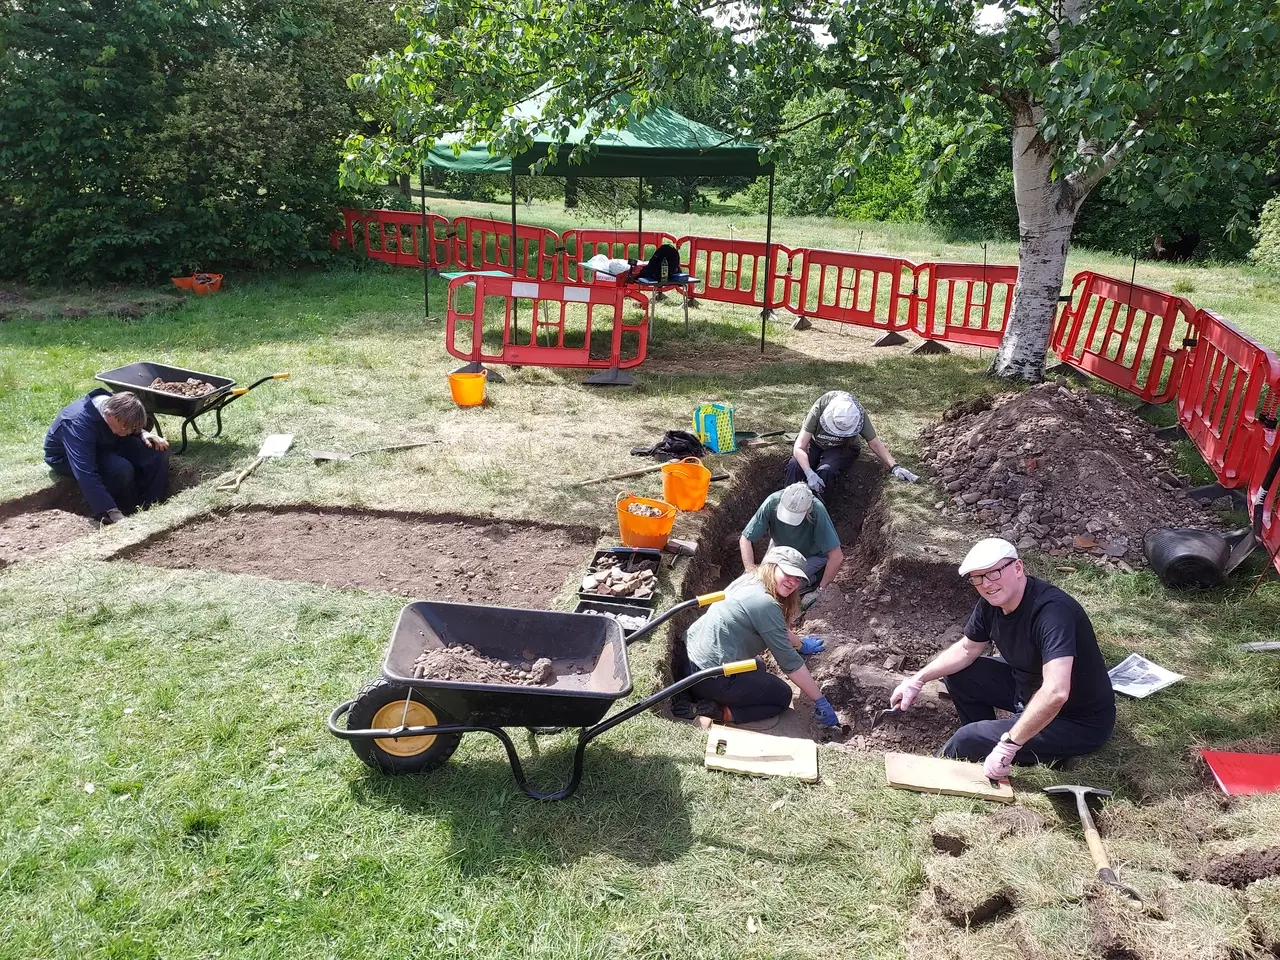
point(1049, 673)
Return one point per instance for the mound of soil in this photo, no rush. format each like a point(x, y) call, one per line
point(191, 387)
point(1241, 869)
point(463, 662)
point(1060, 470)
point(468, 559)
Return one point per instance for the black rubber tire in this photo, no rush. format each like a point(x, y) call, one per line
point(378, 694)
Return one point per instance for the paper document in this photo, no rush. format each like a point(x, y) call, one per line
point(1138, 677)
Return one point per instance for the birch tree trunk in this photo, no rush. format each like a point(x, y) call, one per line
point(1047, 209)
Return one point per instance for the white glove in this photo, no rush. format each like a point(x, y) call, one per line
point(903, 474)
point(905, 693)
point(816, 483)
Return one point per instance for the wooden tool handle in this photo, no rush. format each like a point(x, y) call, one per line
point(622, 476)
point(1091, 835)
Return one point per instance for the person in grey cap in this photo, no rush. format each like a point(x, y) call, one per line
point(1050, 673)
point(828, 443)
point(792, 517)
point(751, 619)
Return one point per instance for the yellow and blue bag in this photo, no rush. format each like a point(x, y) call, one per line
point(713, 424)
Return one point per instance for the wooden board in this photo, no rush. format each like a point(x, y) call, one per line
point(936, 775)
point(761, 754)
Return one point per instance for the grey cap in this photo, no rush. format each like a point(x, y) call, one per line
point(794, 504)
point(787, 559)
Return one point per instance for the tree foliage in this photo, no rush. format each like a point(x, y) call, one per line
point(141, 137)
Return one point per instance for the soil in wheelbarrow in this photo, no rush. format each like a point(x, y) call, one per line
point(57, 514)
point(426, 556)
point(463, 663)
point(885, 615)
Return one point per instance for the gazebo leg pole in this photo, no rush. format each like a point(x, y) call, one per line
point(515, 305)
point(768, 261)
point(424, 248)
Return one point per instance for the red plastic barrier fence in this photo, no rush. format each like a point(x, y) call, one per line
point(964, 302)
point(565, 325)
point(394, 236)
point(858, 288)
point(1222, 392)
point(1131, 336)
point(483, 244)
point(733, 271)
point(579, 246)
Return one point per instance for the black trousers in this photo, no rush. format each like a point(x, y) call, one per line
point(749, 696)
point(828, 464)
point(988, 683)
point(134, 474)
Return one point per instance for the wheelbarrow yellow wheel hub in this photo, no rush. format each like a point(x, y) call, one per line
point(396, 715)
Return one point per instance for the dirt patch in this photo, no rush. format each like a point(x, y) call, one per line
point(58, 514)
point(464, 663)
point(1112, 926)
point(505, 563)
point(971, 913)
point(38, 305)
point(1238, 870)
point(1060, 470)
point(951, 844)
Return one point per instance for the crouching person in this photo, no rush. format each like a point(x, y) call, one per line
point(100, 441)
point(751, 619)
point(1049, 674)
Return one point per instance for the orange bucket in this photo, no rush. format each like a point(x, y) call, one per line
point(685, 484)
point(637, 531)
point(467, 388)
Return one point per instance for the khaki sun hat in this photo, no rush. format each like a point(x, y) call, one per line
point(787, 559)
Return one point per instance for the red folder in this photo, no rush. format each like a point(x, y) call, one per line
point(1241, 773)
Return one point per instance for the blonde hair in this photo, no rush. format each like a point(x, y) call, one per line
point(128, 409)
point(767, 574)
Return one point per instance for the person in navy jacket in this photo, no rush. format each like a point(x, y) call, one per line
point(100, 441)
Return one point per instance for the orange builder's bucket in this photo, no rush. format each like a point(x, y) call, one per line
point(685, 484)
point(467, 388)
point(637, 530)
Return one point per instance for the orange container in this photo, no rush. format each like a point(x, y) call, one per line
point(467, 388)
point(199, 283)
point(685, 484)
point(637, 531)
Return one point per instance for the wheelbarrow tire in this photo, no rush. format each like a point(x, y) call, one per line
point(381, 704)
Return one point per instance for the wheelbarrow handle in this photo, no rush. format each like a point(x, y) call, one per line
point(704, 600)
point(241, 391)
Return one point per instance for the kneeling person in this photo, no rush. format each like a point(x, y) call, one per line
point(792, 517)
point(100, 441)
point(1050, 673)
point(828, 443)
point(751, 619)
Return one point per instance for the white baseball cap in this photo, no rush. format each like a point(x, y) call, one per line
point(987, 553)
point(843, 416)
point(794, 504)
point(788, 560)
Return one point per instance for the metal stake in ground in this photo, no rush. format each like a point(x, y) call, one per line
point(1100, 860)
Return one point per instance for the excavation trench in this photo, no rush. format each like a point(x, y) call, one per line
point(444, 557)
point(889, 610)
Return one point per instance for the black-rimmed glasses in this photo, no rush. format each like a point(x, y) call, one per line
point(991, 576)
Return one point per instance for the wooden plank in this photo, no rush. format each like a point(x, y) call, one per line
point(936, 775)
point(735, 750)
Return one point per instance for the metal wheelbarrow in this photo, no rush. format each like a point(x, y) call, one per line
point(402, 724)
point(136, 378)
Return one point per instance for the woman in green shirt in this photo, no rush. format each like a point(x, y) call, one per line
point(751, 619)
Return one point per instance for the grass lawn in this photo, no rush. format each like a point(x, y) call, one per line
point(170, 790)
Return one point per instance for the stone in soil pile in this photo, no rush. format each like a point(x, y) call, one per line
point(191, 387)
point(626, 621)
point(463, 663)
point(643, 510)
point(1059, 470)
point(614, 582)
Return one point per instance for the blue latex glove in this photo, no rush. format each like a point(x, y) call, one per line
point(810, 645)
point(825, 713)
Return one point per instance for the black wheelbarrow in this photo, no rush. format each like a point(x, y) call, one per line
point(136, 378)
point(402, 724)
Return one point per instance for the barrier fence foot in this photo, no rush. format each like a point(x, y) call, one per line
point(1242, 542)
point(769, 314)
point(613, 377)
point(930, 347)
point(1214, 491)
point(891, 339)
point(1174, 432)
point(660, 297)
point(490, 376)
point(1068, 371)
point(801, 323)
point(691, 302)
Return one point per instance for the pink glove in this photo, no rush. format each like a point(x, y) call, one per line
point(999, 762)
point(905, 693)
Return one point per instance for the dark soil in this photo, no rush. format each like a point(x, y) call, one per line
point(873, 617)
point(191, 387)
point(58, 514)
point(464, 663)
point(1110, 926)
point(1241, 869)
point(1060, 470)
point(504, 563)
point(964, 914)
point(951, 844)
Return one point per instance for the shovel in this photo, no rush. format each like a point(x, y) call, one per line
point(320, 456)
point(1099, 853)
point(276, 445)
